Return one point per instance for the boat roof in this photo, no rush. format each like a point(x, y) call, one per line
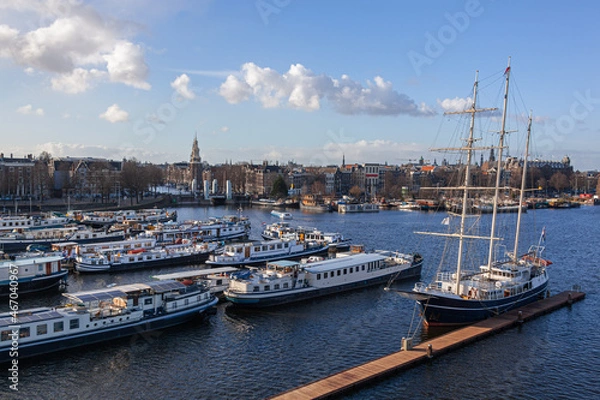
point(284, 263)
point(194, 272)
point(42, 314)
point(30, 260)
point(122, 291)
point(340, 262)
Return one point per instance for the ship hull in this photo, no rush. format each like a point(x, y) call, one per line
point(443, 311)
point(34, 285)
point(163, 262)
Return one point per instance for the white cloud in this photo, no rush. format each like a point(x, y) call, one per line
point(455, 104)
point(79, 80)
point(115, 114)
point(302, 89)
point(29, 110)
point(74, 43)
point(180, 84)
point(224, 129)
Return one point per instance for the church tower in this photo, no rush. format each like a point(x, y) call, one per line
point(195, 166)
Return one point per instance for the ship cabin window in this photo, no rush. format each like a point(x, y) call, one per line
point(5, 335)
point(255, 288)
point(324, 275)
point(256, 248)
point(186, 302)
point(265, 247)
point(285, 245)
point(351, 269)
point(276, 287)
point(40, 268)
point(285, 285)
point(74, 323)
point(339, 272)
point(318, 277)
point(59, 326)
point(267, 288)
point(363, 267)
point(24, 332)
point(271, 247)
point(345, 271)
point(42, 329)
point(147, 301)
point(279, 245)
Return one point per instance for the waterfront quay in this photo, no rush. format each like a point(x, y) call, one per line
point(352, 378)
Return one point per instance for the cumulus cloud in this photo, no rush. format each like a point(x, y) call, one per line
point(455, 104)
point(302, 89)
point(115, 114)
point(29, 110)
point(180, 84)
point(75, 44)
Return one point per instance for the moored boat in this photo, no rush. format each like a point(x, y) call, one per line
point(215, 279)
point(31, 273)
point(283, 229)
point(252, 253)
point(117, 261)
point(503, 280)
point(286, 281)
point(281, 214)
point(99, 316)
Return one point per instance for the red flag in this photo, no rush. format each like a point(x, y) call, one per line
point(506, 70)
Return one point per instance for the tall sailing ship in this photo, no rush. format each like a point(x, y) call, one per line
point(500, 283)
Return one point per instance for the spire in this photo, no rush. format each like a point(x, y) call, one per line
point(343, 159)
point(195, 156)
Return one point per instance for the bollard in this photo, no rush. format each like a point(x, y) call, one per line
point(569, 299)
point(429, 351)
point(520, 317)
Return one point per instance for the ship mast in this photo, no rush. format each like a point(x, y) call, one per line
point(523, 183)
point(498, 170)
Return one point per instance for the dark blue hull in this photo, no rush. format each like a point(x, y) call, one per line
point(441, 311)
point(102, 335)
point(34, 285)
point(256, 301)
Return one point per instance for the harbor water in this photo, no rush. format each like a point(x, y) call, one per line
point(254, 354)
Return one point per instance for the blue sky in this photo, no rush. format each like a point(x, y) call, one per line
point(284, 80)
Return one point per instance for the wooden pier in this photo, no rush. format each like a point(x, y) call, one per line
point(352, 378)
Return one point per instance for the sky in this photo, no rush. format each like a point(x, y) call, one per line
point(288, 80)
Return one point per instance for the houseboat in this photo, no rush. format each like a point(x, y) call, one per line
point(253, 253)
point(200, 231)
point(116, 261)
point(281, 214)
point(313, 203)
point(9, 223)
point(29, 274)
point(18, 241)
point(286, 281)
point(283, 229)
point(99, 316)
point(347, 208)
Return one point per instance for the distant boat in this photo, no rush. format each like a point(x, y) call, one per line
point(22, 222)
point(314, 203)
point(216, 279)
point(284, 281)
point(101, 315)
point(281, 214)
point(283, 229)
point(347, 208)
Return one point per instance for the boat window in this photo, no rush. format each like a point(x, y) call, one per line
point(148, 301)
point(5, 335)
point(276, 287)
point(318, 277)
point(285, 285)
point(256, 248)
point(256, 288)
point(363, 267)
point(42, 329)
point(24, 332)
point(279, 245)
point(59, 326)
point(325, 275)
point(265, 247)
point(186, 302)
point(267, 288)
point(345, 271)
point(74, 323)
point(351, 269)
point(339, 272)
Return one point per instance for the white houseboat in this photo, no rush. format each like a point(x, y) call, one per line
point(99, 316)
point(11, 222)
point(253, 253)
point(201, 231)
point(216, 279)
point(116, 260)
point(23, 275)
point(287, 281)
point(347, 208)
point(283, 229)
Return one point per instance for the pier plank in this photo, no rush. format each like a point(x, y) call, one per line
point(386, 365)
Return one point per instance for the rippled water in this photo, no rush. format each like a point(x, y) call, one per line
point(255, 354)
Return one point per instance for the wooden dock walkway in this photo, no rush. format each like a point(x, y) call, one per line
point(341, 382)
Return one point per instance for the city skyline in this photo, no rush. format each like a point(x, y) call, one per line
point(284, 80)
